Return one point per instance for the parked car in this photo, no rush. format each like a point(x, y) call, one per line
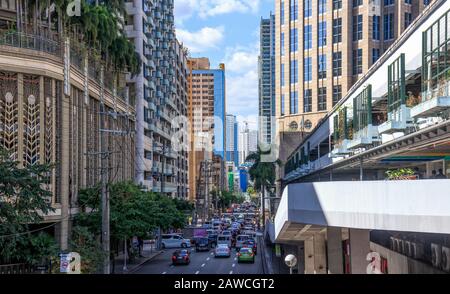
point(222, 250)
point(240, 239)
point(246, 255)
point(202, 244)
point(181, 257)
point(174, 241)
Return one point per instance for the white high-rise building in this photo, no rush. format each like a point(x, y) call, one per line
point(248, 142)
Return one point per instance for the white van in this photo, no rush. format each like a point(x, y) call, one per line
point(174, 241)
point(224, 239)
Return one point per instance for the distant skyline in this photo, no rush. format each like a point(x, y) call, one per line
point(227, 31)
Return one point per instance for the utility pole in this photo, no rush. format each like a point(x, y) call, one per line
point(104, 155)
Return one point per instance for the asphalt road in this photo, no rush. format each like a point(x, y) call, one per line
point(201, 263)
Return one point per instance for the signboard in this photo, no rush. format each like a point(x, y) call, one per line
point(277, 250)
point(231, 181)
point(64, 262)
point(243, 180)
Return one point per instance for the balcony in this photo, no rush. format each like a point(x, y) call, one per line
point(341, 149)
point(152, 85)
point(364, 137)
point(169, 102)
point(398, 120)
point(434, 102)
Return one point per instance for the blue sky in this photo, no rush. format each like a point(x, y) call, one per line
point(227, 31)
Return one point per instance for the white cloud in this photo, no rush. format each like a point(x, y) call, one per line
point(203, 40)
point(242, 93)
point(185, 9)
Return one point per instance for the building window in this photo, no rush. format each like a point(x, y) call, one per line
point(357, 61)
point(389, 26)
point(322, 99)
point(294, 9)
point(408, 2)
point(308, 124)
point(307, 8)
point(322, 33)
point(337, 64)
point(337, 94)
point(337, 30)
point(426, 2)
point(282, 13)
point(293, 109)
point(282, 105)
point(322, 6)
point(388, 2)
point(294, 71)
point(322, 66)
point(282, 44)
point(376, 27)
point(375, 55)
point(282, 75)
point(357, 3)
point(307, 37)
point(357, 27)
point(337, 4)
point(408, 19)
point(307, 69)
point(307, 101)
point(294, 40)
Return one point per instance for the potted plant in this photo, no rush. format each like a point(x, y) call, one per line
point(401, 174)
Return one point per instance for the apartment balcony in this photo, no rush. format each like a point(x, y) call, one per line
point(130, 8)
point(364, 137)
point(152, 85)
point(148, 52)
point(158, 15)
point(151, 64)
point(398, 121)
point(164, 116)
point(151, 106)
point(151, 43)
point(169, 187)
point(434, 102)
point(341, 149)
point(169, 101)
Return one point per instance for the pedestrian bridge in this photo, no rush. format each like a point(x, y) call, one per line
point(409, 206)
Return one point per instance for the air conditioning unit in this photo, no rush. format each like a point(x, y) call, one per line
point(436, 255)
point(445, 259)
point(407, 248)
point(417, 250)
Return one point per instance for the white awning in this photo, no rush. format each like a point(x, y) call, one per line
point(410, 206)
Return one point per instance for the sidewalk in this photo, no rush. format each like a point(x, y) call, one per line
point(137, 262)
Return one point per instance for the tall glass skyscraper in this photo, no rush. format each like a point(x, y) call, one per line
point(266, 67)
point(232, 140)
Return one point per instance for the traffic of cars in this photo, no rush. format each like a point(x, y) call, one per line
point(235, 230)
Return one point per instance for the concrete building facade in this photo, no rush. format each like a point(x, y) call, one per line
point(346, 195)
point(232, 154)
point(323, 47)
point(161, 91)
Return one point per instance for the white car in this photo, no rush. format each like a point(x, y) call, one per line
point(174, 241)
point(224, 239)
point(222, 250)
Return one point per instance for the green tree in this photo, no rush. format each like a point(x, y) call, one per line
point(262, 173)
point(23, 201)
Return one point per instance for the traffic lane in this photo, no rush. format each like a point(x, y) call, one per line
point(219, 265)
point(251, 268)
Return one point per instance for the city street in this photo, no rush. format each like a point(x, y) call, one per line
point(201, 263)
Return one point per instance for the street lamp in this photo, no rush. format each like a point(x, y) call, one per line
point(291, 262)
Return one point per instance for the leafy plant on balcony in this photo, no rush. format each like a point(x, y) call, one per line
point(400, 174)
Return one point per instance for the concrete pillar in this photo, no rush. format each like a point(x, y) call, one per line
point(334, 251)
point(359, 248)
point(315, 255)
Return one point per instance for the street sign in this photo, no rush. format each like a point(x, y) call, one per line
point(64, 262)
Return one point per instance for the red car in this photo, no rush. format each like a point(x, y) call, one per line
point(182, 256)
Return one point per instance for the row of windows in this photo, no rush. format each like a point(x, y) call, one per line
point(322, 66)
point(337, 4)
point(307, 100)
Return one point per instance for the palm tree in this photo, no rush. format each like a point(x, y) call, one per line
point(262, 174)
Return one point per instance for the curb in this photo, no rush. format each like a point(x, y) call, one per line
point(135, 268)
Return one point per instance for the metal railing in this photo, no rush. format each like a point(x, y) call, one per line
point(14, 269)
point(27, 41)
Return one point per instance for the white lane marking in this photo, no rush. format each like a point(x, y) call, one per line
point(208, 259)
point(231, 272)
point(235, 258)
point(164, 273)
point(203, 265)
point(212, 253)
point(197, 272)
point(233, 265)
